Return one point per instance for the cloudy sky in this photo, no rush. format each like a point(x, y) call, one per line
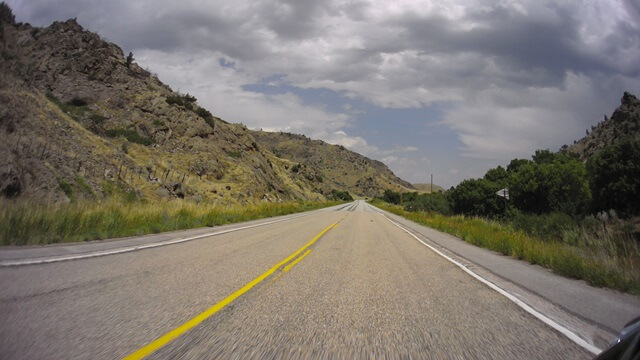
point(449, 87)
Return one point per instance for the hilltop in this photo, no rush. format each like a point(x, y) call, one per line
point(427, 188)
point(342, 169)
point(624, 122)
point(80, 119)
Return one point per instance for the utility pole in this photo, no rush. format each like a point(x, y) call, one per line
point(431, 183)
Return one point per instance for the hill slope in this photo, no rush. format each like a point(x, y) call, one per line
point(333, 165)
point(80, 120)
point(624, 122)
point(427, 188)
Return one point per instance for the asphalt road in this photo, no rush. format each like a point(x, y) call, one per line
point(365, 289)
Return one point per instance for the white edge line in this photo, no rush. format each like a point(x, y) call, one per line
point(566, 332)
point(134, 248)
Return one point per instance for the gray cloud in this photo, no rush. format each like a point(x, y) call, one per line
point(510, 76)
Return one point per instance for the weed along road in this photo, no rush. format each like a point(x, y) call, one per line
point(349, 281)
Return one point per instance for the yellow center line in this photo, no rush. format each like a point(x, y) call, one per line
point(173, 334)
point(294, 262)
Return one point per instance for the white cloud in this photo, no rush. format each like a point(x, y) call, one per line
point(500, 124)
point(220, 89)
point(390, 160)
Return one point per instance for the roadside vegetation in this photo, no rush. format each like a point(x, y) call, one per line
point(341, 195)
point(25, 223)
point(579, 220)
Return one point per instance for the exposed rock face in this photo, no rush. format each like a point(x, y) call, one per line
point(78, 121)
point(624, 122)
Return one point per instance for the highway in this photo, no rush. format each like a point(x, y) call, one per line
point(347, 281)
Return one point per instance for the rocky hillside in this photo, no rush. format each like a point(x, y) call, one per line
point(332, 165)
point(624, 122)
point(80, 119)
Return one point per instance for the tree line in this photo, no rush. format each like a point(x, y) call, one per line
point(549, 182)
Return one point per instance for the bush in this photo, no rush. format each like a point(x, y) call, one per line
point(97, 119)
point(436, 202)
point(477, 197)
point(66, 188)
point(75, 108)
point(234, 154)
point(130, 135)
point(341, 195)
point(185, 101)
point(203, 113)
point(391, 197)
point(206, 116)
point(552, 182)
point(614, 177)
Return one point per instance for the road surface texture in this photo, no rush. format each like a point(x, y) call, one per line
point(354, 284)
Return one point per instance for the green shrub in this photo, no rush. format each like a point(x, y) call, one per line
point(130, 135)
point(436, 202)
point(477, 197)
point(83, 186)
point(66, 188)
point(120, 192)
point(614, 177)
point(552, 182)
point(206, 115)
point(185, 101)
point(391, 197)
point(341, 195)
point(97, 119)
point(76, 108)
point(234, 154)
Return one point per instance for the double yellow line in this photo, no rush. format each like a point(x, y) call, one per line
point(173, 334)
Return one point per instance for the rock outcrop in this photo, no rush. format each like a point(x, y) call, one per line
point(624, 122)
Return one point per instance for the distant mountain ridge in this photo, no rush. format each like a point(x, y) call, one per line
point(427, 188)
point(79, 119)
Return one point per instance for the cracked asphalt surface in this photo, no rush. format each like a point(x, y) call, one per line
point(366, 290)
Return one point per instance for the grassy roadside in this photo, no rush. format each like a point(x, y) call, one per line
point(617, 270)
point(23, 223)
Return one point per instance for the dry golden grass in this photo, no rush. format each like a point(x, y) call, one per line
point(611, 262)
point(23, 223)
